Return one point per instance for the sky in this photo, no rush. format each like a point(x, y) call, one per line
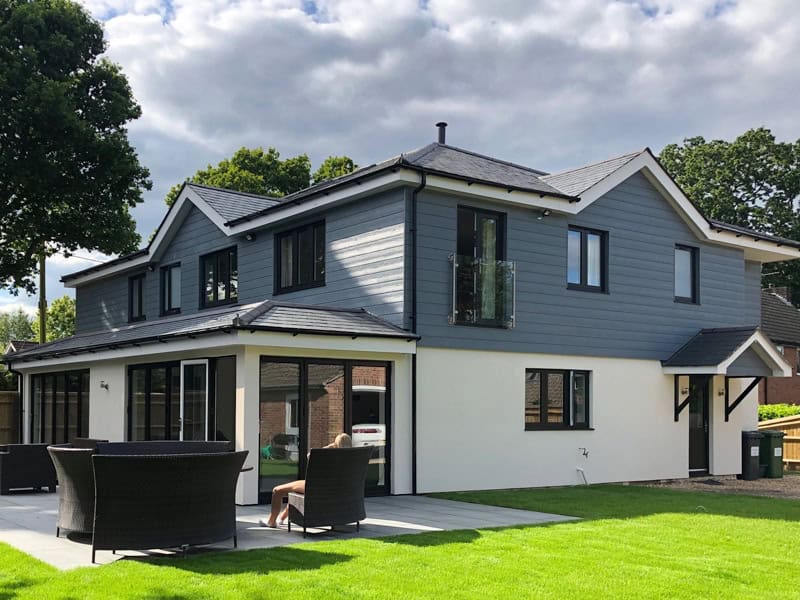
point(551, 84)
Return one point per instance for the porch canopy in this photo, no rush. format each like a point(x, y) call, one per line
point(735, 352)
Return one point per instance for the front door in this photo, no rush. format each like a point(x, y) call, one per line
point(698, 424)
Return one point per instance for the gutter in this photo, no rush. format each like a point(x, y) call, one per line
point(413, 231)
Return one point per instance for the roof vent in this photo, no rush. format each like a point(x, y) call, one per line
point(442, 126)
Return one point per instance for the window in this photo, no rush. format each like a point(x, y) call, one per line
point(483, 281)
point(59, 407)
point(171, 290)
point(136, 298)
point(300, 258)
point(686, 269)
point(556, 399)
point(220, 283)
point(586, 259)
point(154, 409)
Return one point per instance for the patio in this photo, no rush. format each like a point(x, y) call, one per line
point(27, 522)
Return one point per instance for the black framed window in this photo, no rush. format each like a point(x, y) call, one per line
point(687, 267)
point(556, 399)
point(154, 408)
point(220, 282)
point(136, 298)
point(587, 262)
point(300, 258)
point(59, 407)
point(171, 289)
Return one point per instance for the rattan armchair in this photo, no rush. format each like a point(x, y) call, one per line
point(334, 495)
point(75, 488)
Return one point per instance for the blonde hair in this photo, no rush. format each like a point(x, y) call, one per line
point(343, 441)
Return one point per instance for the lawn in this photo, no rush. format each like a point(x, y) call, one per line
point(635, 542)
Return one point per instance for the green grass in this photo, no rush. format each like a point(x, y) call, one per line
point(635, 542)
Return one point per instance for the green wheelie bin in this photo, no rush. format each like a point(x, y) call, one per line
point(771, 453)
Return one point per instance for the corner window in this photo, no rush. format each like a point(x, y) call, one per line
point(556, 399)
point(686, 274)
point(300, 258)
point(136, 298)
point(171, 289)
point(586, 259)
point(220, 283)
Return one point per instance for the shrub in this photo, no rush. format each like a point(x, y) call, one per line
point(776, 411)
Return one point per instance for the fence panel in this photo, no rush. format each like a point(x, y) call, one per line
point(9, 417)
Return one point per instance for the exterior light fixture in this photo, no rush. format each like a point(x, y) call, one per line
point(104, 385)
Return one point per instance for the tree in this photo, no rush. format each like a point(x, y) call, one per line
point(14, 325)
point(68, 175)
point(332, 167)
point(254, 170)
point(753, 181)
point(60, 319)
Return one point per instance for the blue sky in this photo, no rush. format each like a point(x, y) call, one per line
point(547, 83)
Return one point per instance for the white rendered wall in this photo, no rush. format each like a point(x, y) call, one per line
point(725, 439)
point(107, 407)
point(471, 423)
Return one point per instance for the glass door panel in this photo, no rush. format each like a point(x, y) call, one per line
point(158, 404)
point(73, 390)
point(279, 394)
point(325, 390)
point(194, 386)
point(369, 419)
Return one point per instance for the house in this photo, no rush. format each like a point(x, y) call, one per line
point(780, 320)
point(483, 324)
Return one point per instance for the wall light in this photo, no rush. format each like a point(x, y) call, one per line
point(543, 214)
point(104, 385)
point(249, 237)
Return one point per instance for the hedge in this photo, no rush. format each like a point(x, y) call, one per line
point(776, 411)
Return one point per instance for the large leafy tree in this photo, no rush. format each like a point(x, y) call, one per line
point(15, 325)
point(254, 170)
point(68, 174)
point(753, 181)
point(332, 167)
point(60, 318)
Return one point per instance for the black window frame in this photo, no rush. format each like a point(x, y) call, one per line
point(166, 286)
point(294, 233)
point(695, 274)
point(148, 369)
point(568, 422)
point(226, 252)
point(59, 434)
point(136, 284)
point(584, 266)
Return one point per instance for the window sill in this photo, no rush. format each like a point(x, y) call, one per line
point(486, 325)
point(137, 319)
point(680, 300)
point(298, 288)
point(586, 288)
point(169, 313)
point(218, 304)
point(556, 428)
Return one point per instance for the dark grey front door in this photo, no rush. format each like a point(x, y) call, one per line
point(698, 424)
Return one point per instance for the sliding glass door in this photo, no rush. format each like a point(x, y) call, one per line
point(59, 407)
point(194, 399)
point(306, 403)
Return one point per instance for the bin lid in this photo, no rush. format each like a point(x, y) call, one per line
point(767, 433)
point(752, 434)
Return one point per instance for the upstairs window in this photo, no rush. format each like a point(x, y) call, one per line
point(136, 298)
point(556, 399)
point(686, 274)
point(586, 259)
point(300, 258)
point(220, 278)
point(171, 290)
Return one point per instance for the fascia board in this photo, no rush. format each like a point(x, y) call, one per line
point(536, 200)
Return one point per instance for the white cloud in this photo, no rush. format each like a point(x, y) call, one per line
point(546, 83)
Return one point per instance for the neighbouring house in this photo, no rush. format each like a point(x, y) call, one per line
point(780, 320)
point(481, 323)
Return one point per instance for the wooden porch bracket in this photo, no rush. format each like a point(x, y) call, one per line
point(729, 408)
point(679, 406)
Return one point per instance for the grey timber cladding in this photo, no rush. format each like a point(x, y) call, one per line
point(364, 265)
point(637, 318)
point(749, 364)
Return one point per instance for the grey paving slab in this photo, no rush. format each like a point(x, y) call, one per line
point(28, 522)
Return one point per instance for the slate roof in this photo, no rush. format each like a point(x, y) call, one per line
point(780, 320)
point(258, 316)
point(710, 347)
point(230, 204)
point(576, 181)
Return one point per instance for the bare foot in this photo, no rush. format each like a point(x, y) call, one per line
point(267, 523)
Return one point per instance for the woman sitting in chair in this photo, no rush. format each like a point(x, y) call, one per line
point(280, 492)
